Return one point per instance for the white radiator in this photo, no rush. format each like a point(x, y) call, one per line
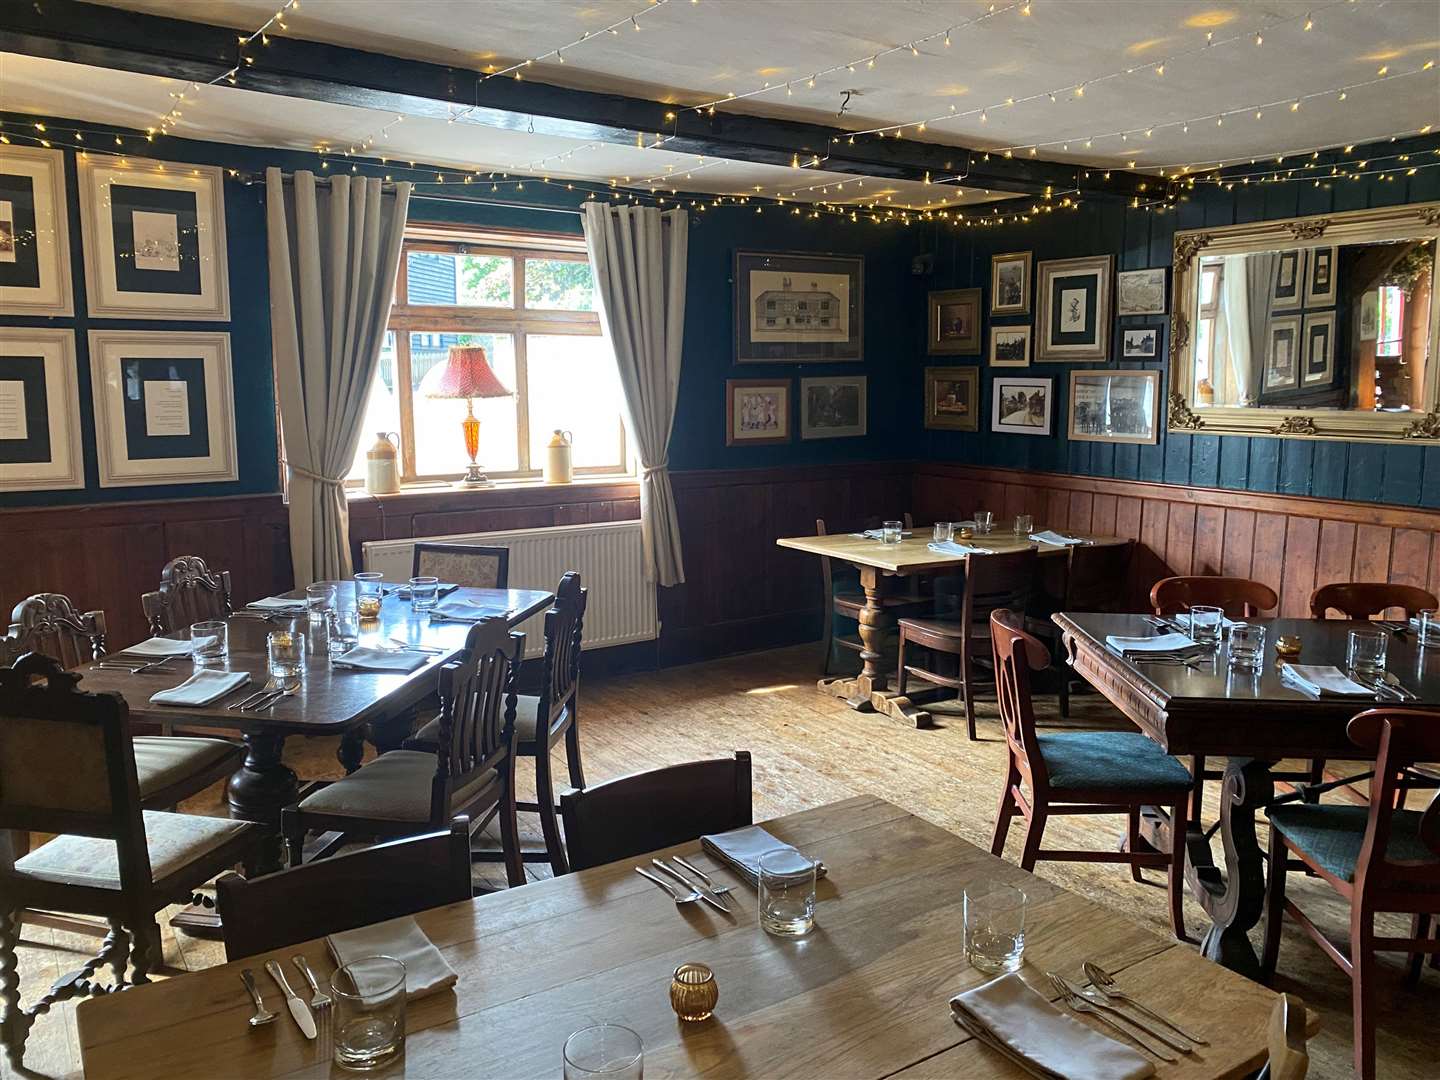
point(620, 607)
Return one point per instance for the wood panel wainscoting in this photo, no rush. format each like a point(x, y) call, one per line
point(1292, 543)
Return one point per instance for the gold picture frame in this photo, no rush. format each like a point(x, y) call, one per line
point(952, 398)
point(1004, 298)
point(954, 323)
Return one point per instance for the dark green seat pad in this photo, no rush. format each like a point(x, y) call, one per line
point(1332, 835)
point(1110, 760)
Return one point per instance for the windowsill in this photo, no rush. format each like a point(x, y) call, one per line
point(500, 487)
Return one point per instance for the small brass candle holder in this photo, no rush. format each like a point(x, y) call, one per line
point(1287, 647)
point(966, 533)
point(694, 992)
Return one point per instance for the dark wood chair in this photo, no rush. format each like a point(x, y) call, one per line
point(1091, 579)
point(844, 599)
point(69, 770)
point(991, 582)
point(1367, 599)
point(648, 811)
point(470, 772)
point(1080, 772)
point(382, 882)
point(1377, 858)
point(470, 565)
point(189, 592)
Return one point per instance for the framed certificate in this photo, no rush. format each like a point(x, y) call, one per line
point(39, 411)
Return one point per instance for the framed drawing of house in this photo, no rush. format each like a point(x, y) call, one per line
point(34, 233)
point(797, 307)
point(39, 411)
point(1074, 322)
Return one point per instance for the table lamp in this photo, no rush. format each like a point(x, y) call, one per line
point(467, 374)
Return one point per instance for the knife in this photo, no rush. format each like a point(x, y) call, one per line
point(298, 1010)
point(706, 894)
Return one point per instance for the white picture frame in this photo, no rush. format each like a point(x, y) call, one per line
point(1028, 418)
point(1287, 290)
point(39, 175)
point(1074, 305)
point(833, 407)
point(45, 357)
point(1140, 292)
point(1317, 337)
point(1321, 275)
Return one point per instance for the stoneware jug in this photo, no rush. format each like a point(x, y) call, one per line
point(382, 470)
point(558, 466)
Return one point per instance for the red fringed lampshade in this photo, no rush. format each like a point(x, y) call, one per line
point(466, 374)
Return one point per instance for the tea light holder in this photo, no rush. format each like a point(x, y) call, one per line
point(694, 992)
point(1287, 647)
point(965, 532)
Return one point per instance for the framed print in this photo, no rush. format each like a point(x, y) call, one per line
point(757, 411)
point(1320, 280)
point(832, 408)
point(154, 240)
point(1319, 349)
point(1142, 344)
point(1287, 291)
point(952, 398)
point(1370, 315)
point(1009, 346)
point(1140, 292)
point(798, 307)
point(39, 411)
point(1115, 406)
point(164, 407)
point(1282, 353)
point(1021, 406)
point(1010, 283)
point(34, 233)
point(954, 322)
point(1075, 308)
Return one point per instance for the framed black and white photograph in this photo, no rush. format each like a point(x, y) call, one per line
point(1075, 308)
point(1140, 292)
point(952, 398)
point(39, 411)
point(1287, 291)
point(1009, 346)
point(34, 233)
point(164, 407)
point(1010, 283)
point(1320, 281)
point(954, 322)
point(757, 411)
point(1142, 344)
point(1021, 406)
point(797, 307)
point(833, 407)
point(1115, 406)
point(1282, 353)
point(1319, 349)
point(154, 240)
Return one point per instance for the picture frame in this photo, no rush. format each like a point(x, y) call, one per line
point(1320, 277)
point(154, 240)
point(1282, 354)
point(34, 233)
point(954, 323)
point(164, 407)
point(1317, 366)
point(1010, 346)
point(1140, 343)
point(757, 412)
point(1074, 309)
point(1115, 406)
point(1010, 283)
point(1287, 291)
point(798, 307)
point(833, 407)
point(1141, 292)
point(952, 398)
point(40, 447)
point(1021, 405)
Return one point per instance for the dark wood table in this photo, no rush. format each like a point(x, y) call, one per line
point(1253, 720)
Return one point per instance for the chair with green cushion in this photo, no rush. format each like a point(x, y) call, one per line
point(1378, 858)
point(1089, 772)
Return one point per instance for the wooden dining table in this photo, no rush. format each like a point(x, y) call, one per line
point(870, 690)
point(866, 994)
point(1251, 718)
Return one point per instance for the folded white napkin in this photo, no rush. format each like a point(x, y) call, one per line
point(277, 603)
point(367, 659)
point(458, 609)
point(1323, 680)
point(1156, 644)
point(202, 688)
point(952, 547)
point(1009, 1017)
point(1183, 619)
point(1049, 536)
point(878, 534)
point(162, 646)
point(426, 971)
point(740, 849)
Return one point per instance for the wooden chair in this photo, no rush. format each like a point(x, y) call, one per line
point(470, 772)
point(1377, 858)
point(189, 592)
point(1366, 599)
point(992, 582)
point(469, 565)
point(69, 769)
point(363, 887)
point(1089, 772)
point(652, 810)
point(844, 599)
point(1289, 1057)
point(1092, 574)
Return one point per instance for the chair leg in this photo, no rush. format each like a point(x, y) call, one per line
point(1034, 829)
point(1274, 905)
point(1197, 787)
point(1006, 812)
point(1178, 827)
point(294, 832)
point(549, 823)
point(828, 664)
point(1317, 776)
point(1134, 843)
point(14, 1024)
point(510, 830)
point(1362, 989)
point(572, 750)
point(901, 675)
point(1419, 928)
point(967, 692)
point(1064, 693)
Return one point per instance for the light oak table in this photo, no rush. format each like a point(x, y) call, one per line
point(865, 995)
point(869, 691)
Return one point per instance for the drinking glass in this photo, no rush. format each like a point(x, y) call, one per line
point(891, 531)
point(1247, 645)
point(285, 653)
point(1205, 624)
point(368, 593)
point(342, 626)
point(369, 1012)
point(423, 593)
point(1366, 652)
point(319, 598)
point(787, 893)
point(995, 927)
point(209, 641)
point(944, 531)
point(1429, 628)
point(1024, 525)
point(607, 1050)
point(984, 522)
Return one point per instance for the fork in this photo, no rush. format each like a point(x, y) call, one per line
point(675, 894)
point(1104, 982)
point(718, 890)
point(320, 1005)
point(268, 688)
point(1083, 1005)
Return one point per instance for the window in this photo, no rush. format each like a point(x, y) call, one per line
point(1210, 280)
point(529, 301)
point(1391, 321)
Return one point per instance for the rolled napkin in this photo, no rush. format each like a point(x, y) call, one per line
point(426, 971)
point(1009, 1017)
point(879, 534)
point(162, 646)
point(1323, 680)
point(1154, 645)
point(952, 547)
point(277, 603)
point(367, 659)
point(202, 688)
point(740, 849)
point(458, 609)
point(1049, 536)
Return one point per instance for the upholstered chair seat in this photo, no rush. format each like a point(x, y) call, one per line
point(1102, 760)
point(1332, 835)
point(165, 762)
point(175, 842)
point(395, 786)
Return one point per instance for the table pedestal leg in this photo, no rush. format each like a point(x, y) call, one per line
point(873, 620)
point(258, 791)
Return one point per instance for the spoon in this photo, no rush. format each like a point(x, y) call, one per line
point(262, 1015)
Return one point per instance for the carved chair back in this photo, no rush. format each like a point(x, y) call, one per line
point(477, 711)
point(1017, 654)
point(49, 623)
point(1240, 598)
point(1365, 599)
point(564, 624)
point(189, 592)
point(469, 565)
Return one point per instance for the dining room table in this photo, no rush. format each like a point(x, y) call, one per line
point(865, 994)
point(1253, 718)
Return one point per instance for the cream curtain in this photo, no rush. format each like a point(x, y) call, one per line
point(639, 256)
point(334, 253)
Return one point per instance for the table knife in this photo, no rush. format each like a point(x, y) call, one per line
point(298, 1009)
point(709, 896)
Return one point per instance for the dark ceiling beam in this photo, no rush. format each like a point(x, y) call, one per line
point(108, 37)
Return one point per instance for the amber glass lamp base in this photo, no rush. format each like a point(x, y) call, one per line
point(474, 476)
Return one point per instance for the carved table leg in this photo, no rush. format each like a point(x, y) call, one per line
point(873, 622)
point(351, 750)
